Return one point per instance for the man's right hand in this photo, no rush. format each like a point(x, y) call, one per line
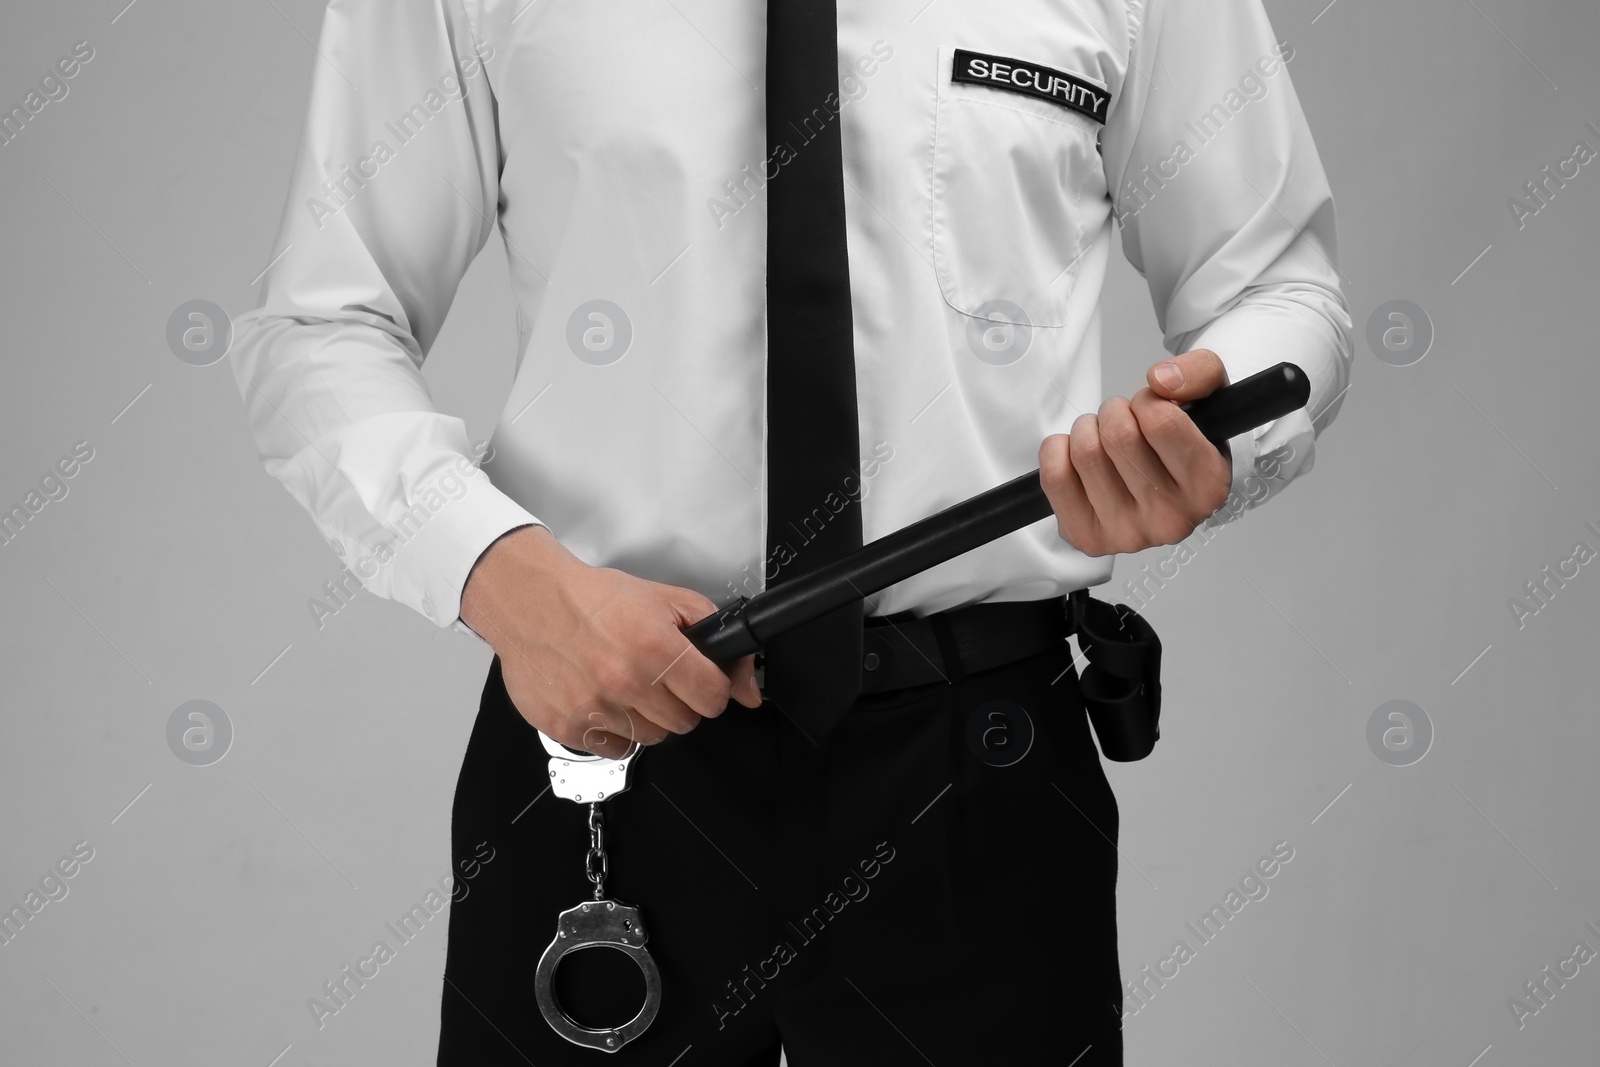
point(591, 656)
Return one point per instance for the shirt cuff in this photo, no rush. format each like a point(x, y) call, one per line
point(1264, 460)
point(432, 564)
point(460, 626)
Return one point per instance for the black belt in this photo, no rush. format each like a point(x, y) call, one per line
point(1120, 686)
point(901, 650)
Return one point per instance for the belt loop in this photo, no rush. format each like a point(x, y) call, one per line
point(954, 669)
point(1077, 601)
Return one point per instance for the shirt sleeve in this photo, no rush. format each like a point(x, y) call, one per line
point(393, 194)
point(1226, 212)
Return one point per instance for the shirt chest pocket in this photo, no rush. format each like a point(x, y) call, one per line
point(1017, 190)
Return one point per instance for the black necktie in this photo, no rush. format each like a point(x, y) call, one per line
point(813, 467)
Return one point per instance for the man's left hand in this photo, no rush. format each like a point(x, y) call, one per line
point(1139, 473)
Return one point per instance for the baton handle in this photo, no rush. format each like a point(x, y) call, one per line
point(746, 624)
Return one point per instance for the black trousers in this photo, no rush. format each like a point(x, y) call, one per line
point(912, 893)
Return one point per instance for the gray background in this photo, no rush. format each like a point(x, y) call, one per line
point(175, 569)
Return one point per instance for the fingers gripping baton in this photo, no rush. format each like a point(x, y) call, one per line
point(745, 625)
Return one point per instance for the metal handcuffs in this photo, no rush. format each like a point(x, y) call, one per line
point(585, 778)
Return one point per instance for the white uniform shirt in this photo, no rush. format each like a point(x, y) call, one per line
point(624, 158)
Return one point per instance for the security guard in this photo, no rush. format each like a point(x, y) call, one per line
point(786, 281)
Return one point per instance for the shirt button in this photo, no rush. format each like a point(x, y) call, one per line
point(870, 661)
point(427, 607)
point(337, 546)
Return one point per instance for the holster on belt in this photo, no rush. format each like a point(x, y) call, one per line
point(1121, 686)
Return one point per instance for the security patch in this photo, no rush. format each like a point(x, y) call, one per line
point(1031, 79)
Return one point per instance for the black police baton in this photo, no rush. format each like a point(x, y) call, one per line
point(747, 624)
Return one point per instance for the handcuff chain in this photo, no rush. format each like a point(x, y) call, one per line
point(595, 865)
